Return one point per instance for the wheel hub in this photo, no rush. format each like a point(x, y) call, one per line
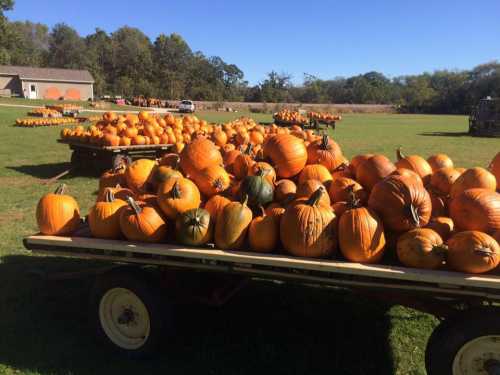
point(480, 356)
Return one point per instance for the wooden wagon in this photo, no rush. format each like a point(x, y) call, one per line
point(88, 157)
point(131, 305)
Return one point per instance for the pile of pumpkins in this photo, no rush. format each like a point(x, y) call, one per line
point(244, 186)
point(44, 112)
point(31, 122)
point(325, 117)
point(286, 116)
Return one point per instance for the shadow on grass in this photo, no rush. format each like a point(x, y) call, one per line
point(445, 134)
point(45, 171)
point(264, 329)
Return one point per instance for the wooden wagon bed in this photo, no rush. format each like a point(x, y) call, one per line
point(279, 267)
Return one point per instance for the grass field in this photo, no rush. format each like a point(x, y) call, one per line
point(265, 329)
point(43, 102)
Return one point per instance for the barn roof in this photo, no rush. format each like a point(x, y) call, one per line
point(48, 74)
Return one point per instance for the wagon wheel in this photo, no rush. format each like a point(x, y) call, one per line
point(466, 344)
point(128, 313)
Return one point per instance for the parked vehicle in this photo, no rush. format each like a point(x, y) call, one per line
point(186, 106)
point(485, 118)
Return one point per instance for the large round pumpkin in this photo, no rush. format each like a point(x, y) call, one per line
point(373, 170)
point(142, 222)
point(215, 205)
point(473, 178)
point(421, 248)
point(416, 163)
point(325, 151)
point(288, 154)
point(284, 191)
point(198, 155)
point(193, 227)
point(57, 213)
point(357, 160)
point(308, 228)
point(243, 163)
point(232, 226)
point(104, 217)
point(476, 209)
point(177, 195)
point(473, 252)
point(263, 233)
point(361, 235)
point(402, 203)
point(495, 168)
point(139, 175)
point(258, 190)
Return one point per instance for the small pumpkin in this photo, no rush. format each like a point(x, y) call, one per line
point(198, 155)
point(266, 169)
point(258, 190)
point(138, 175)
point(341, 188)
point(177, 195)
point(443, 179)
point(408, 173)
point(57, 213)
point(284, 191)
point(113, 177)
point(439, 161)
point(215, 205)
point(275, 209)
point(315, 172)
point(243, 162)
point(263, 233)
point(473, 178)
point(494, 168)
point(442, 225)
point(104, 216)
point(476, 209)
point(402, 203)
point(212, 180)
point(308, 228)
point(439, 204)
point(473, 252)
point(421, 248)
point(416, 163)
point(193, 227)
point(142, 222)
point(230, 158)
point(307, 189)
point(357, 160)
point(361, 234)
point(232, 226)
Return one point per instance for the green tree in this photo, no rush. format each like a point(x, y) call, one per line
point(66, 48)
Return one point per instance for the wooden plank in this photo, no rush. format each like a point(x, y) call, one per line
point(117, 148)
point(333, 266)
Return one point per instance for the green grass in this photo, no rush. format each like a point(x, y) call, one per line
point(265, 329)
point(83, 103)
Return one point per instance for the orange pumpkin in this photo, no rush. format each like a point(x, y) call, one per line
point(215, 205)
point(494, 168)
point(232, 226)
point(443, 179)
point(57, 213)
point(442, 225)
point(177, 195)
point(373, 170)
point(473, 252)
point(212, 180)
point(263, 233)
point(117, 191)
point(307, 189)
point(104, 217)
point(326, 152)
point(476, 209)
point(341, 188)
point(473, 178)
point(243, 162)
point(140, 222)
point(416, 163)
point(314, 172)
point(439, 161)
point(308, 228)
point(284, 191)
point(421, 248)
point(264, 169)
point(288, 154)
point(198, 155)
point(138, 175)
point(113, 177)
point(357, 160)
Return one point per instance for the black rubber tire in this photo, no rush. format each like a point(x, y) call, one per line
point(453, 333)
point(160, 312)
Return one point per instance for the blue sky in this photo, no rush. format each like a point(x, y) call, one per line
point(323, 38)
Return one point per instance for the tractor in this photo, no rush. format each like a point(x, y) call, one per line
point(484, 119)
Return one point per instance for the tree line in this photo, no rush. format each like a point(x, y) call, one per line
point(127, 62)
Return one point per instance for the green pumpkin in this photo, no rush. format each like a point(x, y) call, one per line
point(194, 227)
point(258, 190)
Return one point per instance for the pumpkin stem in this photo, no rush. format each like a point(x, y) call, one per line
point(109, 196)
point(354, 202)
point(248, 151)
point(399, 153)
point(195, 220)
point(441, 250)
point(316, 196)
point(176, 190)
point(412, 212)
point(218, 185)
point(132, 203)
point(245, 199)
point(342, 167)
point(61, 189)
point(176, 160)
point(484, 251)
point(262, 211)
point(324, 142)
